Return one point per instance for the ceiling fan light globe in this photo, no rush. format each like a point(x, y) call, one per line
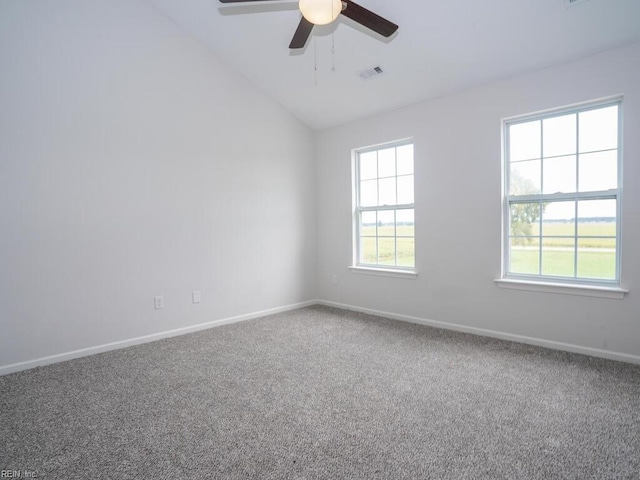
point(320, 12)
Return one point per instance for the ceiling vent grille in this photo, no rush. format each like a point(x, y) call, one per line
point(371, 72)
point(573, 3)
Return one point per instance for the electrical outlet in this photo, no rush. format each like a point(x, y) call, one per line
point(196, 296)
point(334, 279)
point(158, 302)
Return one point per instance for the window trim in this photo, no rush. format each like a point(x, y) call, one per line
point(610, 288)
point(377, 269)
point(584, 290)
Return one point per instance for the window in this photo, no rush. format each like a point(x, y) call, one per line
point(384, 210)
point(562, 196)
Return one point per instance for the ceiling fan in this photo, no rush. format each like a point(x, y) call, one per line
point(322, 12)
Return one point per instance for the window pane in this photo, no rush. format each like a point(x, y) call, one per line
point(406, 252)
point(524, 141)
point(368, 250)
point(559, 235)
point(387, 162)
point(559, 174)
point(386, 250)
point(369, 193)
point(558, 257)
point(598, 171)
point(597, 218)
point(598, 129)
point(559, 135)
point(524, 255)
point(523, 217)
point(405, 189)
point(387, 191)
point(405, 223)
point(368, 165)
point(524, 177)
point(386, 223)
point(558, 219)
point(405, 159)
point(597, 242)
point(368, 223)
point(562, 233)
point(558, 212)
point(597, 260)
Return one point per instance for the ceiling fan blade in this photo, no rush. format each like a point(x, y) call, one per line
point(368, 19)
point(262, 7)
point(302, 34)
point(240, 1)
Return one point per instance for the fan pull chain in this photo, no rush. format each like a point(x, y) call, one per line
point(315, 62)
point(333, 42)
point(333, 52)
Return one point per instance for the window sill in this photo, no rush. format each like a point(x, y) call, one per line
point(384, 272)
point(616, 293)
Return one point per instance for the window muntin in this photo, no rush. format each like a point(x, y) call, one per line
point(562, 201)
point(384, 213)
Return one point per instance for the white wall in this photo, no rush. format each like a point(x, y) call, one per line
point(458, 209)
point(133, 163)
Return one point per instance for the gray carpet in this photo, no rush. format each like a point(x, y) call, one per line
point(321, 393)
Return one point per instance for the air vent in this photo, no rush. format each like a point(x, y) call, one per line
point(371, 72)
point(573, 3)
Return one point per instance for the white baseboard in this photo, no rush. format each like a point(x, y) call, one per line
point(567, 347)
point(61, 357)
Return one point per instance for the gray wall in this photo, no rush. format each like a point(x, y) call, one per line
point(133, 163)
point(458, 211)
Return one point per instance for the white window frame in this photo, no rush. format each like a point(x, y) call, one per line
point(547, 283)
point(378, 269)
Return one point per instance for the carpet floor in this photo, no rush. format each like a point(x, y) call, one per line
point(322, 393)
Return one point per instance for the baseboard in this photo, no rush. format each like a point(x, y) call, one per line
point(567, 347)
point(61, 357)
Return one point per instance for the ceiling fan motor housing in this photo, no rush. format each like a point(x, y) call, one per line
point(320, 12)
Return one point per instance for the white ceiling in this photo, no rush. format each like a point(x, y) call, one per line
point(442, 46)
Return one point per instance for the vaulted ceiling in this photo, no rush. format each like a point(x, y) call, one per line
point(442, 46)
